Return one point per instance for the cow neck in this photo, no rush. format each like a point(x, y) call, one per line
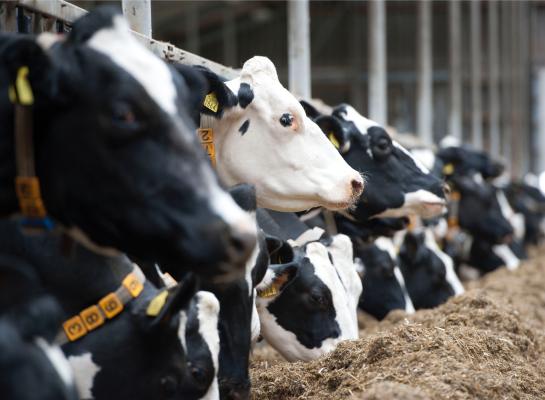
point(27, 184)
point(107, 308)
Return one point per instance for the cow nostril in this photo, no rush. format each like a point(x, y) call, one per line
point(357, 187)
point(242, 244)
point(446, 189)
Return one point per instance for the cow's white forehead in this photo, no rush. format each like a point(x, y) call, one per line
point(118, 43)
point(362, 123)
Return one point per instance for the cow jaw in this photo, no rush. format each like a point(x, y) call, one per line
point(421, 202)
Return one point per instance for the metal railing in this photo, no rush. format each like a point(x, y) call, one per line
point(36, 16)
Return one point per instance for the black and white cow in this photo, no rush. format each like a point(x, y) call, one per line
point(428, 272)
point(384, 288)
point(116, 153)
point(142, 357)
point(530, 202)
point(397, 184)
point(31, 366)
point(307, 301)
point(238, 321)
point(263, 137)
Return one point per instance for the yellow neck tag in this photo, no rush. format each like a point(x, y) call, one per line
point(211, 102)
point(206, 137)
point(448, 169)
point(333, 140)
point(269, 292)
point(156, 304)
point(23, 90)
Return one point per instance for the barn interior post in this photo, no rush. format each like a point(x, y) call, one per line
point(299, 48)
point(455, 69)
point(229, 36)
point(138, 13)
point(192, 33)
point(493, 79)
point(378, 99)
point(540, 131)
point(476, 90)
point(424, 103)
point(506, 89)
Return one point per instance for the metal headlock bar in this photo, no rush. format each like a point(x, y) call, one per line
point(67, 13)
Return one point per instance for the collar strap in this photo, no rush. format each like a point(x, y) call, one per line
point(205, 132)
point(96, 315)
point(27, 185)
point(452, 220)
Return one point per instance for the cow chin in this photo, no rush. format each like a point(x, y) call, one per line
point(421, 203)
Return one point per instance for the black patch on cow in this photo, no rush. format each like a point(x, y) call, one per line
point(381, 292)
point(245, 95)
point(85, 27)
point(226, 98)
point(244, 127)
point(424, 273)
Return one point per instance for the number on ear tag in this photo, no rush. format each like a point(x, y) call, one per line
point(211, 102)
point(92, 317)
point(74, 328)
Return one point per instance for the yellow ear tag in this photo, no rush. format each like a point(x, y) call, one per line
point(156, 304)
point(24, 91)
point(448, 169)
point(211, 102)
point(269, 292)
point(133, 285)
point(333, 140)
point(11, 94)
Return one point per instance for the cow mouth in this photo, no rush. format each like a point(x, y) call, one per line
point(338, 206)
point(433, 208)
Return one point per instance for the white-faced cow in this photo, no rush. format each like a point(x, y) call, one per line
point(397, 184)
point(116, 153)
point(308, 299)
point(263, 137)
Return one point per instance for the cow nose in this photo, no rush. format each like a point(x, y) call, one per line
point(446, 190)
point(241, 243)
point(357, 187)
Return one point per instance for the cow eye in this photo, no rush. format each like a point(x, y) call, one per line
point(123, 116)
point(198, 374)
point(318, 299)
point(382, 147)
point(286, 119)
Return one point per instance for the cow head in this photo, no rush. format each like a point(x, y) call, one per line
point(171, 355)
point(479, 211)
point(307, 300)
point(116, 153)
point(397, 184)
point(530, 202)
point(238, 320)
point(384, 288)
point(263, 137)
point(425, 270)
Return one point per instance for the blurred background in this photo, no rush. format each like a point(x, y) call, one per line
point(472, 69)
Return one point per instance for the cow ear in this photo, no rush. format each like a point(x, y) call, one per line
point(410, 247)
point(273, 244)
point(310, 110)
point(196, 83)
point(334, 131)
point(283, 255)
point(168, 303)
point(219, 97)
point(24, 60)
point(275, 280)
